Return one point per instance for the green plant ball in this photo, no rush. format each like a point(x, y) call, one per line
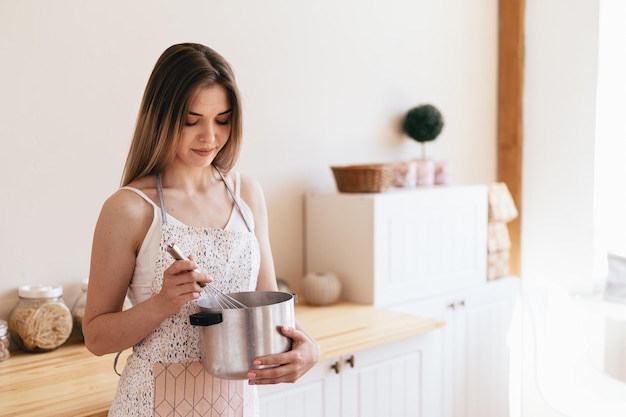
point(423, 123)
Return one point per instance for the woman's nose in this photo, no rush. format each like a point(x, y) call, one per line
point(208, 135)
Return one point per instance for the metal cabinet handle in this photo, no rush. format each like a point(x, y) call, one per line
point(337, 365)
point(350, 361)
point(456, 304)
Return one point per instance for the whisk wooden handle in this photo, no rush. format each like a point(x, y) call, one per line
point(178, 254)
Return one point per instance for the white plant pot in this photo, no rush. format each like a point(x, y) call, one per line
point(442, 173)
point(321, 288)
point(425, 172)
point(404, 174)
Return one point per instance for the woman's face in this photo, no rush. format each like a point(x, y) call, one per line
point(207, 127)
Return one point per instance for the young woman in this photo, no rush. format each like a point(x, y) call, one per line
point(178, 187)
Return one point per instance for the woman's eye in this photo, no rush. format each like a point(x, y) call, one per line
point(190, 123)
point(224, 121)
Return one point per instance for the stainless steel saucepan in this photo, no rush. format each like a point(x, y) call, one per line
point(232, 338)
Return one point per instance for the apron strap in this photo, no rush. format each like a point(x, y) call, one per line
point(235, 199)
point(117, 356)
point(161, 200)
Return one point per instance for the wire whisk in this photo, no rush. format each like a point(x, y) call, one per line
point(222, 301)
point(216, 299)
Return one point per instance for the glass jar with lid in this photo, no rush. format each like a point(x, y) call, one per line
point(41, 321)
point(4, 341)
point(78, 309)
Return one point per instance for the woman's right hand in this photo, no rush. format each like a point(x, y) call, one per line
point(181, 283)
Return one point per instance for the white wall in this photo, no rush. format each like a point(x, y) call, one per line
point(323, 83)
point(559, 159)
point(559, 128)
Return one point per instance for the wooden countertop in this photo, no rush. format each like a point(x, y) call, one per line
point(71, 382)
point(67, 382)
point(346, 328)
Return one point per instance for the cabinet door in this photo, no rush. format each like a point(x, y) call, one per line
point(474, 366)
point(485, 324)
point(398, 379)
point(431, 244)
point(445, 372)
point(316, 394)
point(391, 380)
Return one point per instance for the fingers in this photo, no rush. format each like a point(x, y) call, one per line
point(182, 266)
point(296, 335)
point(190, 266)
point(288, 366)
point(188, 271)
point(182, 282)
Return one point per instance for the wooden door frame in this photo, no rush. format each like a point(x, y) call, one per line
point(510, 111)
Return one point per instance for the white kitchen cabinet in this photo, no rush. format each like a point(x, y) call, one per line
point(475, 352)
point(390, 380)
point(424, 251)
point(393, 247)
point(316, 394)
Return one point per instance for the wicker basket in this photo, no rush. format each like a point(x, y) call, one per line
point(371, 178)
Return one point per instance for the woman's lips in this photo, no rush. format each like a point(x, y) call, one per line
point(203, 152)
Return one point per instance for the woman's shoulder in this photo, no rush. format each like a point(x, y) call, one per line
point(249, 185)
point(146, 185)
point(128, 204)
point(251, 192)
point(124, 221)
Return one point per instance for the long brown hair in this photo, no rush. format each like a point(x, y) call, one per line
point(178, 74)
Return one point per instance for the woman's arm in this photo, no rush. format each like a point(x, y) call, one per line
point(120, 230)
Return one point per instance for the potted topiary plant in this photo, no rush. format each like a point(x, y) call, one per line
point(423, 124)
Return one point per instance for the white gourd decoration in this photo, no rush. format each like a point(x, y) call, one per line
point(321, 288)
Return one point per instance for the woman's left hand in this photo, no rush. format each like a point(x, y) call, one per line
point(304, 354)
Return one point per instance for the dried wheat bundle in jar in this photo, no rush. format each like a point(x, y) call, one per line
point(41, 321)
point(4, 341)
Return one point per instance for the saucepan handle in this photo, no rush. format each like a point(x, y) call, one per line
point(205, 318)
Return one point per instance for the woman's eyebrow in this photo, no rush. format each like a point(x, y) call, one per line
point(220, 114)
